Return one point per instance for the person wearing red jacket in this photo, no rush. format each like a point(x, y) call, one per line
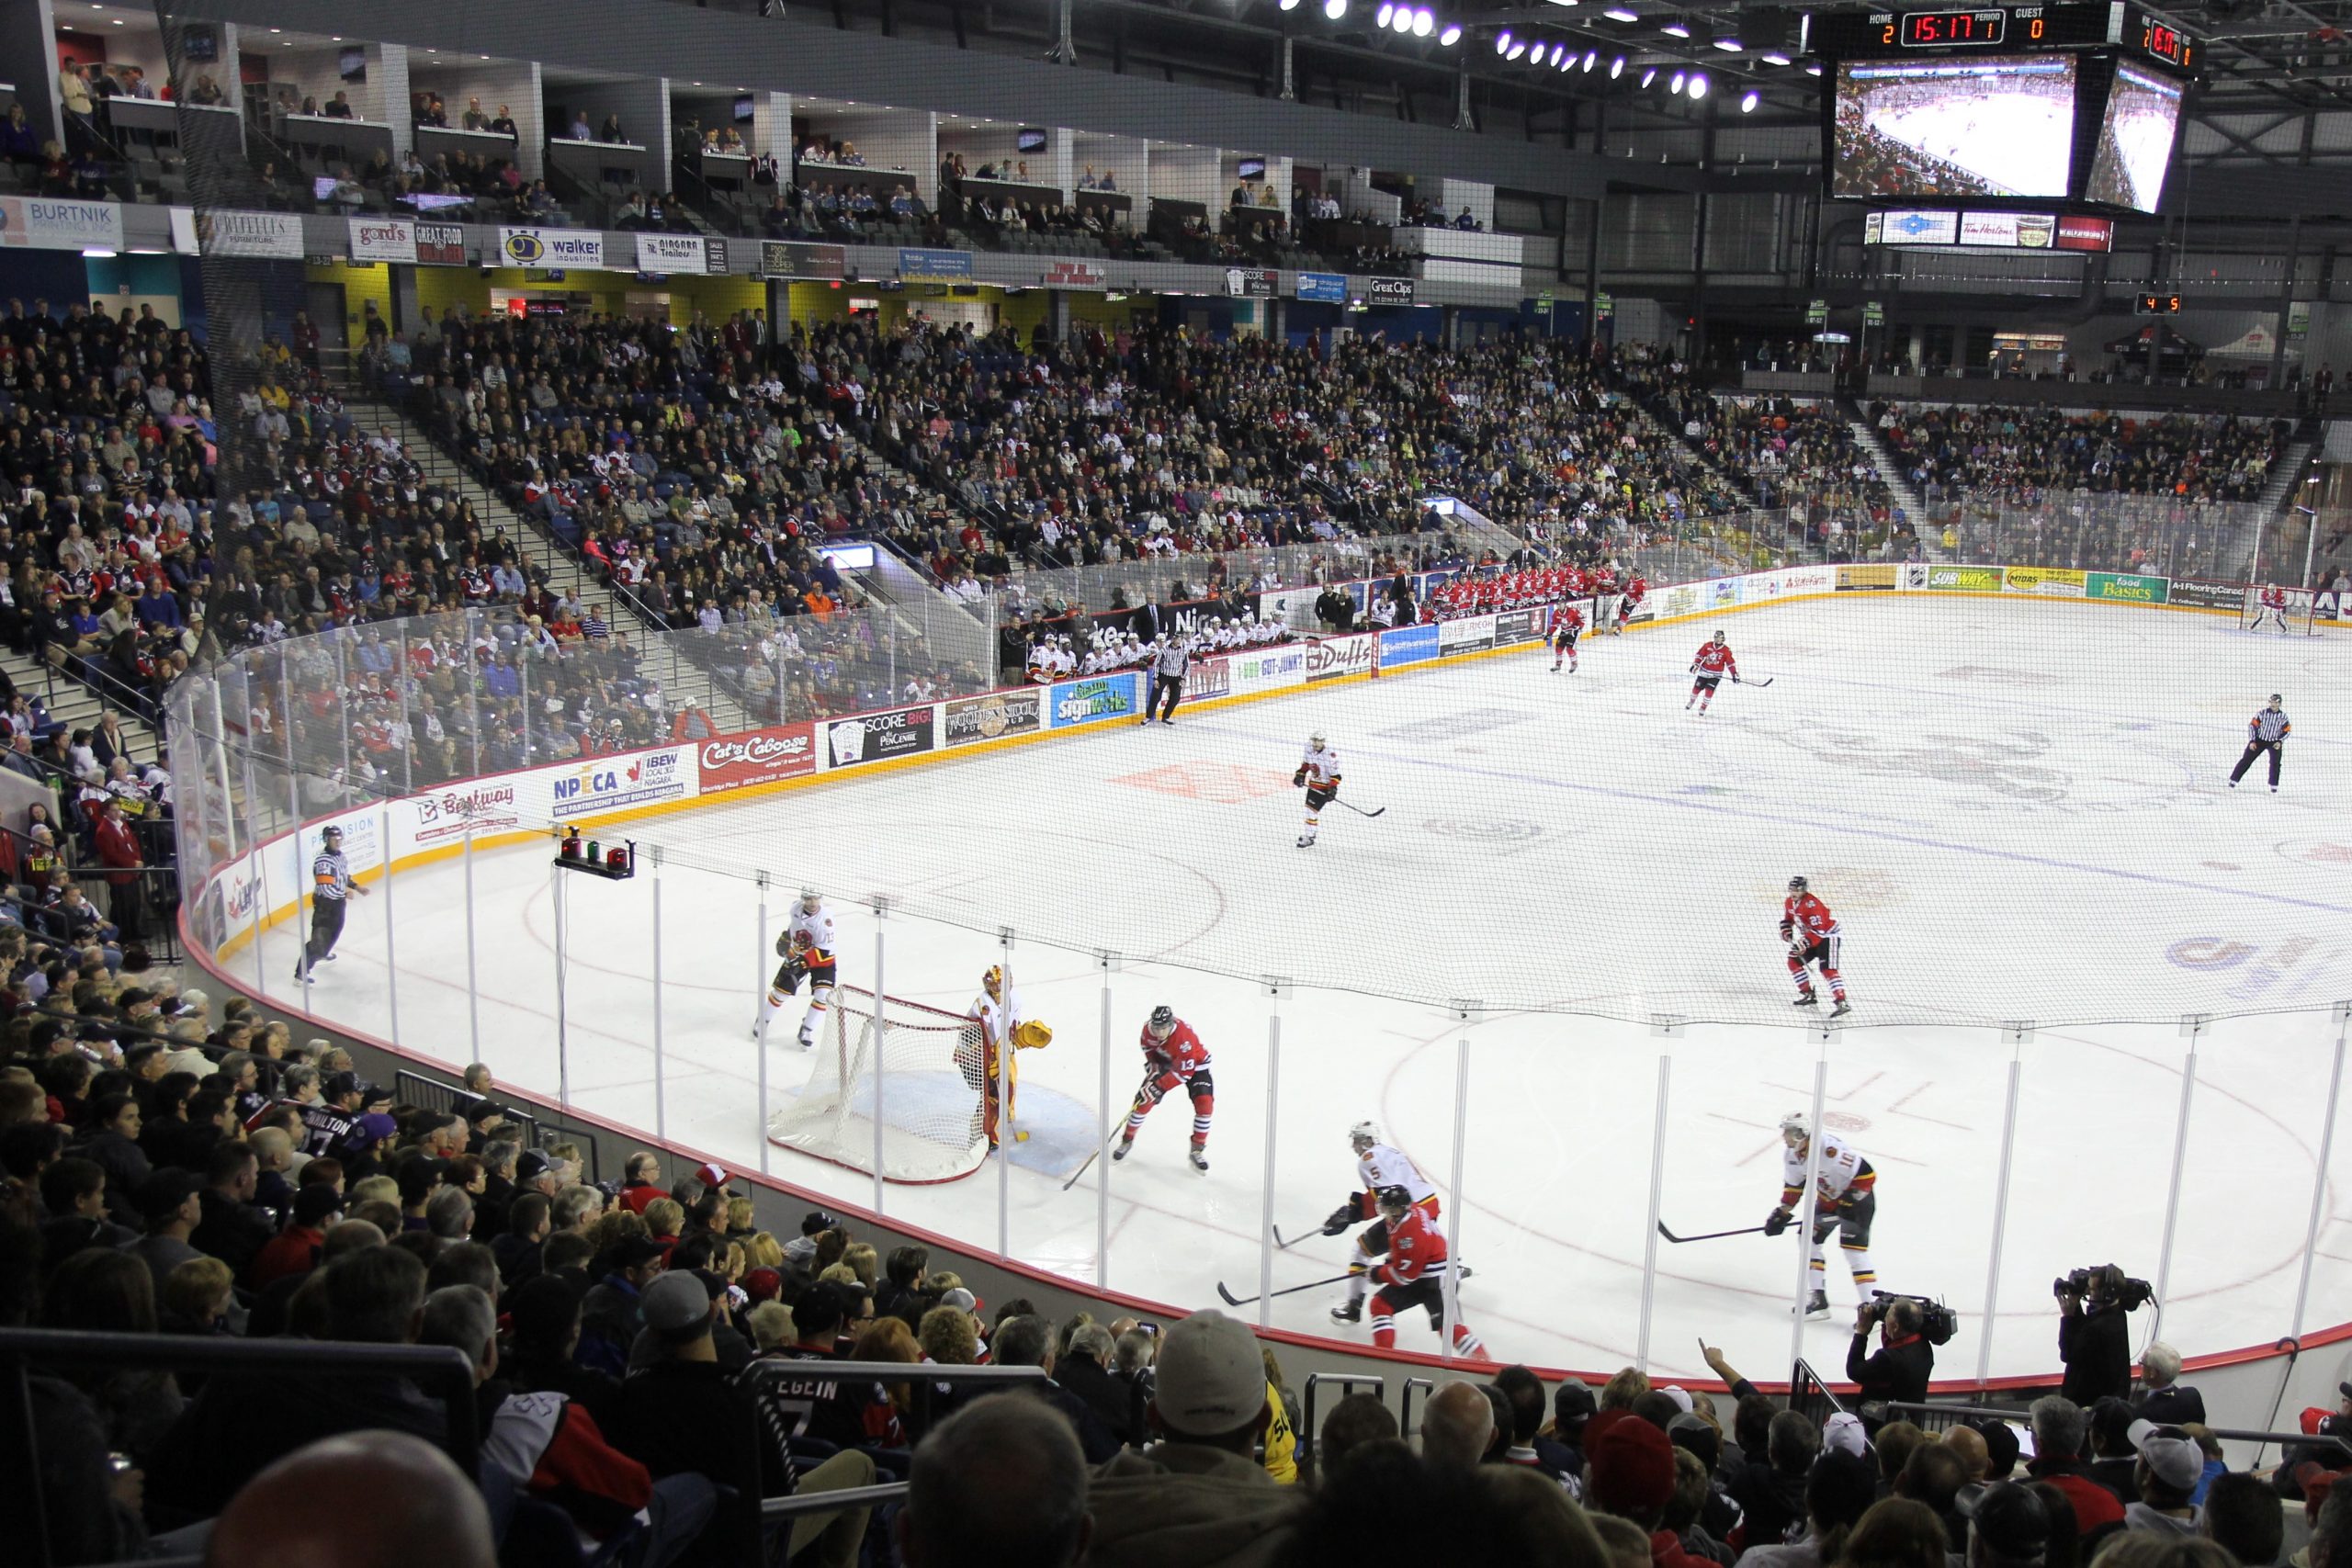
point(1174, 1056)
point(1709, 666)
point(118, 852)
point(1413, 1274)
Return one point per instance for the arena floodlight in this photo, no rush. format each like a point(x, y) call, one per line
point(1334, 9)
point(1591, 59)
point(1774, 57)
point(1290, 5)
point(1729, 45)
point(1619, 14)
point(1451, 36)
point(1616, 68)
point(1387, 9)
point(1516, 50)
point(1649, 77)
point(1748, 100)
point(1675, 86)
point(1698, 85)
point(1424, 22)
point(1502, 41)
point(1674, 29)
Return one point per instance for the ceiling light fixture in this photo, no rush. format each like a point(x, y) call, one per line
point(1290, 5)
point(1675, 86)
point(1591, 59)
point(1451, 36)
point(1616, 68)
point(1748, 100)
point(1729, 45)
point(1812, 70)
point(1676, 29)
point(1698, 85)
point(1619, 14)
point(1335, 9)
point(1424, 22)
point(1502, 41)
point(1774, 57)
point(1387, 9)
point(1516, 50)
point(1649, 77)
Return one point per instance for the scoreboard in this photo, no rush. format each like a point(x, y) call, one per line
point(2131, 32)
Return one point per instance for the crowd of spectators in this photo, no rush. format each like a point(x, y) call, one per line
point(649, 1365)
point(2021, 454)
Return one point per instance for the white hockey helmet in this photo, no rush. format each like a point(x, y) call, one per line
point(1363, 1134)
point(811, 900)
point(1315, 741)
point(1793, 1130)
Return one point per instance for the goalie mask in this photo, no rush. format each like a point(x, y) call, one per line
point(992, 982)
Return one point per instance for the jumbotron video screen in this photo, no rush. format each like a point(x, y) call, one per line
point(1989, 126)
point(2135, 139)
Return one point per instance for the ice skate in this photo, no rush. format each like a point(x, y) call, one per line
point(1816, 1305)
point(1807, 1001)
point(1121, 1152)
point(1200, 1160)
point(1842, 1009)
point(1348, 1312)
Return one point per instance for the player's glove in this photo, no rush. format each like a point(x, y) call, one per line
point(1788, 931)
point(1341, 1218)
point(1298, 779)
point(793, 972)
point(784, 945)
point(1776, 1222)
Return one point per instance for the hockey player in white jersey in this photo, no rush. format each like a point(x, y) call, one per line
point(1318, 775)
point(1844, 1200)
point(1379, 1164)
point(806, 945)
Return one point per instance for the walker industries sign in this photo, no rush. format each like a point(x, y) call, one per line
point(582, 248)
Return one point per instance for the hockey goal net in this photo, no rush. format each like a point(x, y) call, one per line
point(2294, 618)
point(921, 1066)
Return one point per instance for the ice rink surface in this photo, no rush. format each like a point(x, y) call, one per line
point(2016, 141)
point(2018, 811)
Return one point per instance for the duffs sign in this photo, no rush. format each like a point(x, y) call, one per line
point(758, 757)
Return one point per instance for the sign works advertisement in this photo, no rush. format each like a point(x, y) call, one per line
point(876, 737)
point(995, 715)
point(1092, 702)
point(758, 756)
point(2056, 581)
point(1965, 579)
point(613, 784)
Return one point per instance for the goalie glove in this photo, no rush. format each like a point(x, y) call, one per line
point(1029, 1035)
point(1777, 1222)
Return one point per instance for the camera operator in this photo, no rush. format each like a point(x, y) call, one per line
point(1905, 1360)
point(2093, 1335)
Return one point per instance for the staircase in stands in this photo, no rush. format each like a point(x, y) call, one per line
point(1890, 469)
point(546, 555)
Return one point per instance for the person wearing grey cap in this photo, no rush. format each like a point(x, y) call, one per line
point(2007, 1526)
point(2170, 1466)
point(1199, 1495)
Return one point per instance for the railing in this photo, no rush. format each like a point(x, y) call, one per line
point(1309, 1429)
point(1809, 1393)
point(25, 1351)
point(1943, 1417)
point(923, 1380)
point(416, 1089)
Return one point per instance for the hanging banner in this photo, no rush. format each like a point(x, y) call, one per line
point(441, 244)
point(1251, 282)
point(274, 235)
point(552, 247)
point(49, 225)
point(384, 240)
point(791, 258)
point(1331, 288)
point(934, 266)
point(671, 253)
point(1075, 275)
point(1388, 291)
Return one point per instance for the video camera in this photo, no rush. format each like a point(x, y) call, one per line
point(1937, 1322)
point(2131, 1294)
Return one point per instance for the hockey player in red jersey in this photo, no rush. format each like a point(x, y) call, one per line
point(1414, 1275)
point(1811, 931)
point(1173, 1056)
point(1567, 622)
point(1712, 663)
point(1630, 599)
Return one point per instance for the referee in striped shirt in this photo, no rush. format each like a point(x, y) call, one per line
point(331, 888)
point(2266, 731)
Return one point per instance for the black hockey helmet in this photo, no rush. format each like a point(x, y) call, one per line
point(1393, 1197)
point(331, 833)
point(1162, 1022)
point(1797, 884)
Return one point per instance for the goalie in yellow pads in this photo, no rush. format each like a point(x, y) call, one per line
point(997, 1009)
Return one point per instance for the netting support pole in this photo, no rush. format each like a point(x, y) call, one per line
point(881, 1033)
point(1275, 990)
point(2017, 1035)
point(1005, 1136)
point(2194, 1026)
point(1805, 1213)
point(562, 1018)
point(661, 1119)
point(341, 699)
point(260, 872)
point(407, 725)
point(759, 978)
point(391, 962)
point(473, 721)
point(1658, 1195)
point(221, 751)
point(294, 828)
point(473, 980)
point(1448, 1289)
point(1108, 961)
point(2327, 1152)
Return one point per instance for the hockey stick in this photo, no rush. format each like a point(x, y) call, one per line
point(1083, 1168)
point(1233, 1301)
point(1711, 1235)
point(1359, 810)
point(1760, 685)
point(1282, 1246)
